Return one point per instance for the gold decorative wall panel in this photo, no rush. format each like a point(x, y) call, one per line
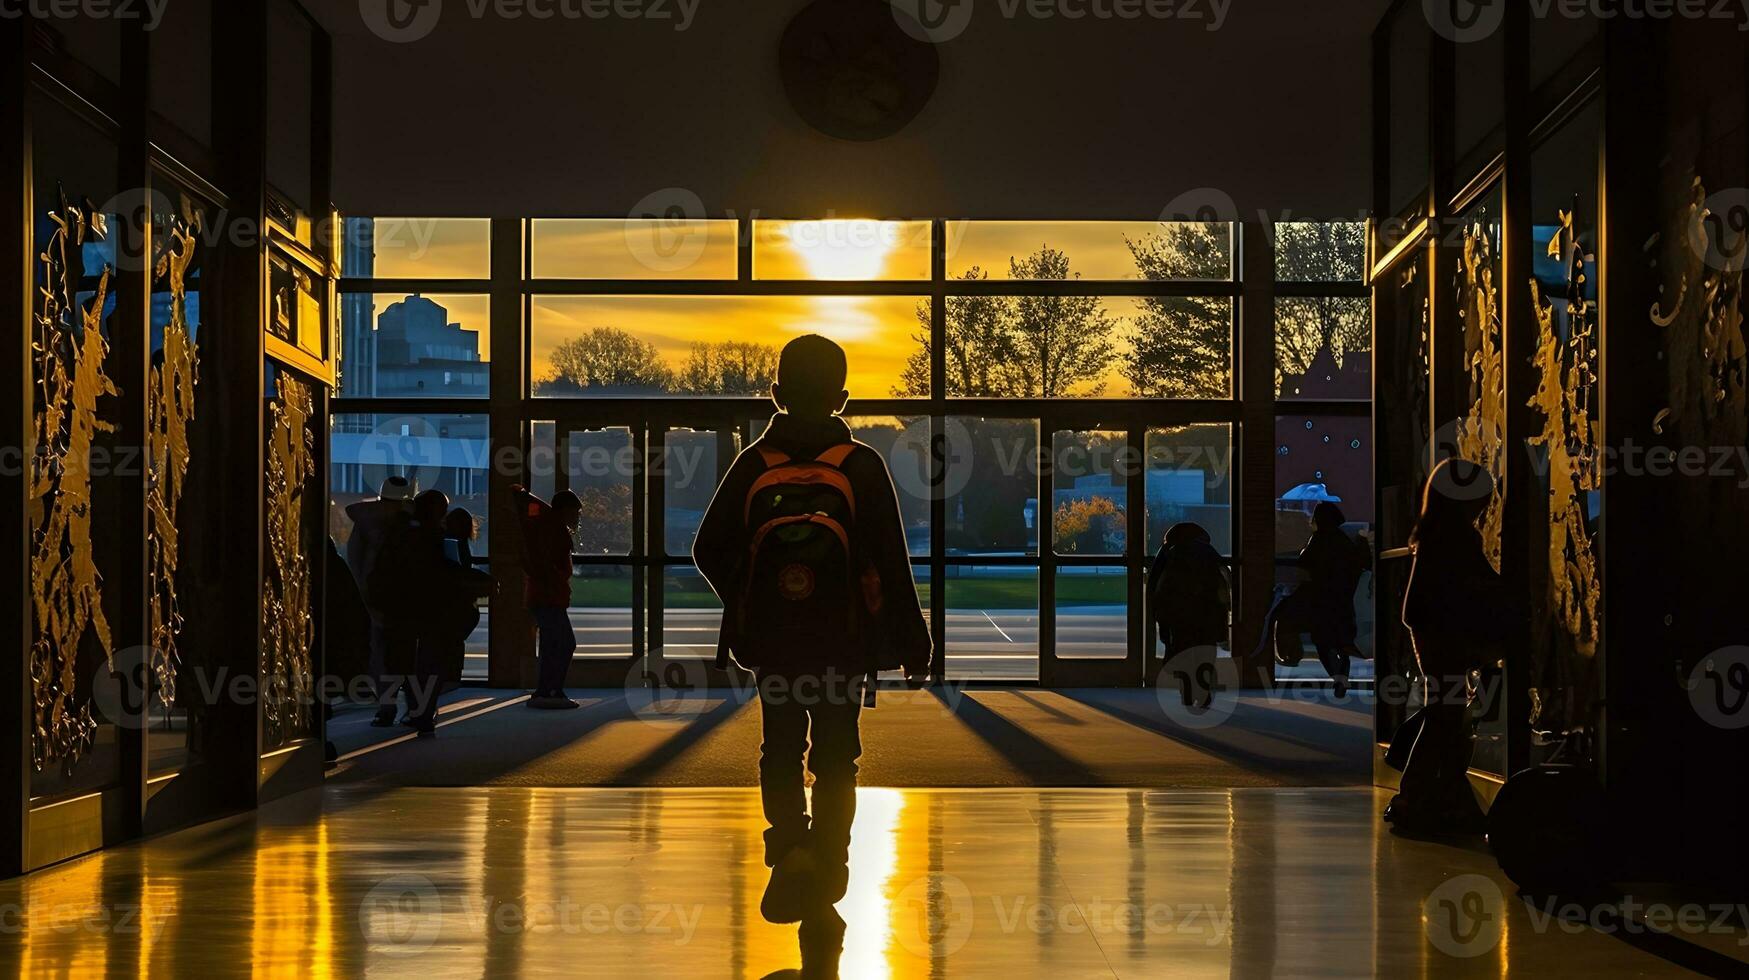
point(1481, 432)
point(170, 411)
point(1701, 315)
point(287, 624)
point(1566, 367)
point(70, 382)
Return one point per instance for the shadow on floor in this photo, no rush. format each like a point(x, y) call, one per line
point(946, 737)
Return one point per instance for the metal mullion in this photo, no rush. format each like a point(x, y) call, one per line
point(994, 561)
point(411, 406)
point(1344, 409)
point(1140, 647)
point(1100, 410)
point(1087, 287)
point(938, 449)
point(1091, 561)
point(415, 286)
point(1045, 491)
point(655, 539)
point(640, 551)
point(730, 288)
point(1322, 290)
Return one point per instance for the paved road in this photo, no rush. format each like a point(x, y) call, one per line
point(981, 644)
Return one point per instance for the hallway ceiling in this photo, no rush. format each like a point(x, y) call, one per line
point(1037, 118)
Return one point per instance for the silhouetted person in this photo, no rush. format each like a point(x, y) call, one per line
point(1332, 563)
point(452, 610)
point(1457, 612)
point(416, 582)
point(372, 522)
point(547, 543)
point(1189, 595)
point(804, 545)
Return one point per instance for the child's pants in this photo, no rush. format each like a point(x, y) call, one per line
point(795, 711)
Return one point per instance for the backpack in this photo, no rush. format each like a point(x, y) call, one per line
point(807, 591)
point(1192, 595)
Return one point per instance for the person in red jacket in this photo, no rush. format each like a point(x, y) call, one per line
point(546, 537)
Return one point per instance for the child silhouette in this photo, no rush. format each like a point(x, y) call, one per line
point(804, 545)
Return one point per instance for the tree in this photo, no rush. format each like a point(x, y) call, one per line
point(1063, 343)
point(1181, 346)
point(1319, 252)
point(605, 360)
point(1081, 526)
point(980, 349)
point(1006, 347)
point(604, 526)
point(729, 368)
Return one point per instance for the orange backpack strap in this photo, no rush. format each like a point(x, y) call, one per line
point(772, 457)
point(822, 469)
point(836, 456)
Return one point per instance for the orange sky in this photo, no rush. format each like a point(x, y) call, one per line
point(876, 332)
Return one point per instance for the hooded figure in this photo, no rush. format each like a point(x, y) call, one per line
point(1189, 596)
point(374, 522)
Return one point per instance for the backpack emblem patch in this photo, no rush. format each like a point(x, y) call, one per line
point(795, 582)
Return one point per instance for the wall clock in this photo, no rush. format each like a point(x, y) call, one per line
point(851, 72)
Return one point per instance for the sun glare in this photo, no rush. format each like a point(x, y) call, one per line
point(843, 249)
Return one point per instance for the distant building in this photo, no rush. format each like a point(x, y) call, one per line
point(1335, 451)
point(412, 350)
point(421, 354)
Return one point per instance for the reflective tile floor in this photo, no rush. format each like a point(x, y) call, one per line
point(504, 882)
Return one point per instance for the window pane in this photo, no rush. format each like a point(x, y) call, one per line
point(1321, 458)
point(1084, 347)
point(904, 444)
point(601, 611)
point(715, 345)
point(1096, 250)
point(414, 346)
point(1093, 612)
point(1088, 490)
point(841, 250)
point(1320, 251)
point(598, 468)
point(992, 486)
point(632, 248)
point(992, 623)
point(436, 452)
point(417, 248)
point(1189, 479)
point(691, 615)
point(1323, 347)
point(692, 461)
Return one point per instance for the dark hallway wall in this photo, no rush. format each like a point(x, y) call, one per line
point(1032, 118)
